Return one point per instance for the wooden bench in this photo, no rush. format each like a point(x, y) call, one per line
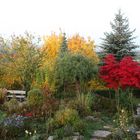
point(18, 94)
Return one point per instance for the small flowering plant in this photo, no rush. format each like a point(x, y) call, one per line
point(30, 114)
point(29, 133)
point(14, 121)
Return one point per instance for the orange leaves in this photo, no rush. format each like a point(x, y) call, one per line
point(76, 44)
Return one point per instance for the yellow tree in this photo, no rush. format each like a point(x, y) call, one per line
point(50, 49)
point(20, 60)
point(76, 44)
point(7, 71)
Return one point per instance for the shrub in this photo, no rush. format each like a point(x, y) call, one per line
point(23, 107)
point(65, 122)
point(2, 116)
point(50, 105)
point(96, 84)
point(66, 116)
point(12, 106)
point(35, 98)
point(124, 74)
point(14, 121)
point(2, 95)
point(83, 103)
point(12, 127)
point(72, 70)
point(104, 104)
point(80, 126)
point(137, 121)
point(64, 132)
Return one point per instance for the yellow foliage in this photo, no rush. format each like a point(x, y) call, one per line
point(76, 44)
point(96, 85)
point(9, 77)
point(51, 48)
point(66, 116)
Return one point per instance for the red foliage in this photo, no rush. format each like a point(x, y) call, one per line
point(28, 115)
point(123, 74)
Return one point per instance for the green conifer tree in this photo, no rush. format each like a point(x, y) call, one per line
point(64, 47)
point(120, 41)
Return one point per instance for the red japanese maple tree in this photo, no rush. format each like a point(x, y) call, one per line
point(122, 74)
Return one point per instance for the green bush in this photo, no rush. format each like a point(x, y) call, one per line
point(66, 116)
point(83, 103)
point(64, 132)
point(12, 127)
point(35, 98)
point(104, 104)
point(72, 70)
point(50, 105)
point(2, 116)
point(80, 126)
point(111, 93)
point(137, 121)
point(12, 106)
point(65, 122)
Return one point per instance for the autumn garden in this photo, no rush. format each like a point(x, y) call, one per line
point(72, 90)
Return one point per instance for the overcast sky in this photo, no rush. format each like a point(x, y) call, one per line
point(86, 17)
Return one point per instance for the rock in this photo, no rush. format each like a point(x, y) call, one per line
point(101, 134)
point(132, 129)
point(78, 137)
point(137, 120)
point(95, 139)
point(136, 116)
point(91, 118)
point(76, 133)
point(138, 135)
point(107, 127)
point(50, 138)
point(138, 110)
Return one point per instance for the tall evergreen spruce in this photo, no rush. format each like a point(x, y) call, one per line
point(120, 41)
point(64, 47)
